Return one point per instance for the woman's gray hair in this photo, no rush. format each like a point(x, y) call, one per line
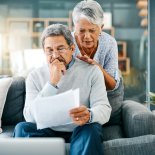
point(57, 30)
point(89, 9)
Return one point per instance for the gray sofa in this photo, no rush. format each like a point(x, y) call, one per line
point(135, 136)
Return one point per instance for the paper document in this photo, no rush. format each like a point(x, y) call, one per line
point(54, 110)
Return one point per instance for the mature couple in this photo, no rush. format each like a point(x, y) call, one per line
point(94, 72)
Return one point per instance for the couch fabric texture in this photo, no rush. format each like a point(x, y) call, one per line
point(13, 109)
point(4, 87)
point(134, 136)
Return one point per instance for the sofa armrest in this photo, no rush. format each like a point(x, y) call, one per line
point(137, 119)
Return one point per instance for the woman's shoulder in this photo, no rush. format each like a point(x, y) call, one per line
point(106, 37)
point(106, 42)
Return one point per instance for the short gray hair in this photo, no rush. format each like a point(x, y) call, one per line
point(57, 30)
point(89, 9)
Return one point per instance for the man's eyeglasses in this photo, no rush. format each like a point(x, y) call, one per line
point(59, 50)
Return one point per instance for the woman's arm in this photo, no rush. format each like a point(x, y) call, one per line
point(109, 80)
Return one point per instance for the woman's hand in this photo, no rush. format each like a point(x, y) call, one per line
point(80, 115)
point(87, 59)
point(109, 80)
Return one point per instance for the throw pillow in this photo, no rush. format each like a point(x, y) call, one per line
point(4, 86)
point(14, 104)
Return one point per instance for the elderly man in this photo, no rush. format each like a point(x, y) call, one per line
point(64, 72)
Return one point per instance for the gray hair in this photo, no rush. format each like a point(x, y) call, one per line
point(57, 30)
point(89, 9)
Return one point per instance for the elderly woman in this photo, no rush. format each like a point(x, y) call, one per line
point(97, 47)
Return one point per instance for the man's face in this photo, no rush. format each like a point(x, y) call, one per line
point(56, 47)
point(87, 33)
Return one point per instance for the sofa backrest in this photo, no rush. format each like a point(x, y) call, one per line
point(13, 108)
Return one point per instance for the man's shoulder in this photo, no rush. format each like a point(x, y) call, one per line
point(79, 63)
point(88, 71)
point(82, 65)
point(39, 71)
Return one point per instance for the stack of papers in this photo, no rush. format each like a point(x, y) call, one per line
point(53, 111)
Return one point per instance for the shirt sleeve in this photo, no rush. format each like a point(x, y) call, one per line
point(111, 61)
point(99, 104)
point(33, 96)
point(48, 90)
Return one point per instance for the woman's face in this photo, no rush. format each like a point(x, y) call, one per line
point(87, 33)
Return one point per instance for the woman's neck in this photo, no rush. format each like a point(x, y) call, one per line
point(90, 52)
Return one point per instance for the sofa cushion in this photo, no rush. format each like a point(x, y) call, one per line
point(4, 87)
point(7, 131)
point(112, 132)
point(115, 98)
point(138, 118)
point(143, 145)
point(13, 109)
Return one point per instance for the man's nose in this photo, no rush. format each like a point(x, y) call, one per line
point(56, 54)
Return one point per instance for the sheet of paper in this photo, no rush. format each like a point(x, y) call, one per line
point(54, 111)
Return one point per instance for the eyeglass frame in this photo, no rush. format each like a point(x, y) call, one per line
point(60, 51)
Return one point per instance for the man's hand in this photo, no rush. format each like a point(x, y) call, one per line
point(87, 59)
point(57, 69)
point(80, 115)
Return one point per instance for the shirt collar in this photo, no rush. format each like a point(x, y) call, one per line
point(71, 63)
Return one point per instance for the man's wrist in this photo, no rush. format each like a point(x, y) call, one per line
point(90, 116)
point(54, 85)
